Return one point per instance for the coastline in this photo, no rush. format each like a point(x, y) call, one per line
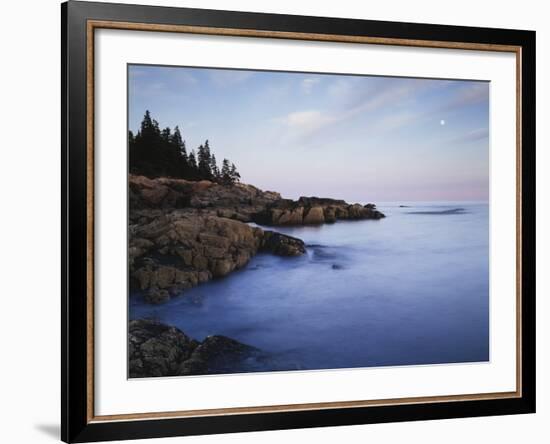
point(365, 294)
point(183, 234)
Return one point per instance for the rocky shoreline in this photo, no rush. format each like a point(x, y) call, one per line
point(184, 233)
point(177, 250)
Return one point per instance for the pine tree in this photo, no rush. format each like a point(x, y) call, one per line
point(234, 174)
point(147, 126)
point(178, 142)
point(132, 150)
point(205, 160)
point(192, 160)
point(146, 148)
point(214, 168)
point(156, 127)
point(225, 172)
point(166, 135)
point(200, 159)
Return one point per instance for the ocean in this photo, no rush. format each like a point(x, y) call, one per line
point(409, 289)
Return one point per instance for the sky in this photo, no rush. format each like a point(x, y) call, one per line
point(359, 138)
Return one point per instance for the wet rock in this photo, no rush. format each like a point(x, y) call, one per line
point(156, 349)
point(293, 216)
point(157, 296)
point(222, 267)
point(329, 214)
point(156, 276)
point(217, 354)
point(193, 366)
point(314, 216)
point(180, 249)
point(282, 245)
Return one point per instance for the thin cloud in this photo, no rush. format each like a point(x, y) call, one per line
point(473, 136)
point(375, 92)
point(353, 97)
point(306, 122)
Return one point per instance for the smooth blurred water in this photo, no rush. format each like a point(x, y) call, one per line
point(412, 288)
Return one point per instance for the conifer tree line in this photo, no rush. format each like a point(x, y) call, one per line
point(163, 153)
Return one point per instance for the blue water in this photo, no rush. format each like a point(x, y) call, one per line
point(412, 288)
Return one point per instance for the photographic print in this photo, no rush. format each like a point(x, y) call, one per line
point(298, 221)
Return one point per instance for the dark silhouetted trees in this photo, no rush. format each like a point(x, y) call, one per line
point(234, 174)
point(228, 174)
point(214, 168)
point(205, 161)
point(193, 160)
point(225, 177)
point(162, 153)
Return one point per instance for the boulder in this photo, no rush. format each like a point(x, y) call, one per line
point(156, 349)
point(221, 267)
point(282, 245)
point(329, 214)
point(157, 296)
point(218, 354)
point(314, 216)
point(291, 217)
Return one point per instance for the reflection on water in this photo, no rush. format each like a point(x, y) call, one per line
point(412, 288)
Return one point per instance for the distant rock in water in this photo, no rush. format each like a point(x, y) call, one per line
point(156, 349)
point(442, 212)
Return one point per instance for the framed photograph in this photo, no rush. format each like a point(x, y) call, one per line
point(275, 221)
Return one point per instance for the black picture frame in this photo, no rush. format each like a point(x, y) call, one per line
point(76, 424)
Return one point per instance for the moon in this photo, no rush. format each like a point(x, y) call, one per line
point(442, 122)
